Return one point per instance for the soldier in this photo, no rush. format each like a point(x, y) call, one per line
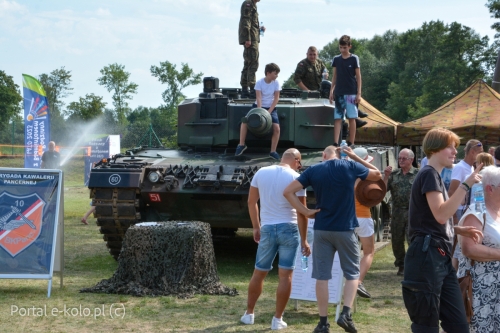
point(249, 37)
point(399, 182)
point(308, 74)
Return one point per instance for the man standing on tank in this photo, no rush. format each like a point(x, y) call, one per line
point(309, 72)
point(249, 37)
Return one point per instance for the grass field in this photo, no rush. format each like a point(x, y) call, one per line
point(87, 262)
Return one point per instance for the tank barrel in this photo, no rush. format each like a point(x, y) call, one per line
point(496, 77)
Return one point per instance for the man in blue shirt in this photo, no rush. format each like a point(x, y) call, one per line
point(333, 184)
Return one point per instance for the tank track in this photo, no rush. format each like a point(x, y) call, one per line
point(116, 210)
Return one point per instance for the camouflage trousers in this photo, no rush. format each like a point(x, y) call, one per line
point(250, 65)
point(399, 232)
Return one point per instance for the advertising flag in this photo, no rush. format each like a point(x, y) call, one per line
point(36, 122)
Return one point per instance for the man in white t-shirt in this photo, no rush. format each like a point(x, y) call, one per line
point(461, 171)
point(277, 232)
point(267, 91)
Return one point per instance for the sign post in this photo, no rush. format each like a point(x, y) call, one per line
point(31, 224)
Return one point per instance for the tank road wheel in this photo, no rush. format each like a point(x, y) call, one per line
point(116, 210)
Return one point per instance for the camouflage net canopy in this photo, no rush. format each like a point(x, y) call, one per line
point(166, 258)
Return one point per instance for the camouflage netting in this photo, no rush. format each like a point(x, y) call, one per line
point(167, 258)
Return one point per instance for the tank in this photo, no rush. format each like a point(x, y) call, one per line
point(202, 180)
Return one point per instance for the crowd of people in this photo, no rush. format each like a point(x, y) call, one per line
point(431, 207)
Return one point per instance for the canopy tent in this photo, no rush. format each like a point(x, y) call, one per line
point(379, 130)
point(473, 114)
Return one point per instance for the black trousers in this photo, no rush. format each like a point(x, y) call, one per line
point(430, 290)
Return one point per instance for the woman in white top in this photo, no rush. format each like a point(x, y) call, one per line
point(486, 253)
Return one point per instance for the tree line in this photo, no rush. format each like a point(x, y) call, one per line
point(405, 75)
point(408, 75)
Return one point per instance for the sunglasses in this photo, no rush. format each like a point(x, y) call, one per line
point(300, 163)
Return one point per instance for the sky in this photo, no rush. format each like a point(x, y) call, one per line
point(84, 36)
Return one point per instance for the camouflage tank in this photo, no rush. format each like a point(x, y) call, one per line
point(202, 180)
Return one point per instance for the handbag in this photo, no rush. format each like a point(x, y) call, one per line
point(465, 284)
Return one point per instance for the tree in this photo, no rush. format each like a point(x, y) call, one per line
point(87, 108)
point(494, 7)
point(10, 99)
point(434, 63)
point(175, 80)
point(114, 78)
point(57, 85)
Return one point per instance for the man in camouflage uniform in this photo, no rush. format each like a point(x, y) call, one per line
point(249, 37)
point(308, 74)
point(399, 182)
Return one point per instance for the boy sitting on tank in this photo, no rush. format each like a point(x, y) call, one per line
point(267, 92)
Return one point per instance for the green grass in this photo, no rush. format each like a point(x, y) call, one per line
point(87, 262)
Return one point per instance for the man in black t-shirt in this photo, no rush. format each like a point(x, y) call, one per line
point(51, 158)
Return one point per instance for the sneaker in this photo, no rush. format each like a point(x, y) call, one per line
point(401, 271)
point(322, 328)
point(278, 324)
point(361, 114)
point(346, 323)
point(247, 319)
point(275, 155)
point(239, 150)
point(362, 291)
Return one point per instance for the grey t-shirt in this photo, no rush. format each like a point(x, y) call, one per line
point(421, 219)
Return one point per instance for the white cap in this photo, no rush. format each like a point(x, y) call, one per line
point(363, 154)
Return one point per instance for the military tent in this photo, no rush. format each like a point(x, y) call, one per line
point(379, 130)
point(473, 114)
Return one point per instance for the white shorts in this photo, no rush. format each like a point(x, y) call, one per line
point(365, 228)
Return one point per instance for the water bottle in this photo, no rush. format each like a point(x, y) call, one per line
point(261, 29)
point(324, 74)
point(343, 145)
point(478, 197)
point(304, 264)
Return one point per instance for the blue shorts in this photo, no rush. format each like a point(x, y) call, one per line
point(345, 105)
point(274, 114)
point(282, 238)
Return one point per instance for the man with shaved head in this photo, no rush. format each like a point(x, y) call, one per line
point(333, 183)
point(277, 231)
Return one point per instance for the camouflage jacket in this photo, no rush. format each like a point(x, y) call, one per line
point(400, 186)
point(249, 23)
point(309, 74)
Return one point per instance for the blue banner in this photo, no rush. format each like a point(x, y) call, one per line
point(99, 149)
point(29, 213)
point(36, 122)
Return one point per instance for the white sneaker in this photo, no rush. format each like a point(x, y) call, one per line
point(278, 324)
point(247, 319)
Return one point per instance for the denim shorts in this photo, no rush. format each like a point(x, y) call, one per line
point(282, 238)
point(274, 114)
point(345, 105)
